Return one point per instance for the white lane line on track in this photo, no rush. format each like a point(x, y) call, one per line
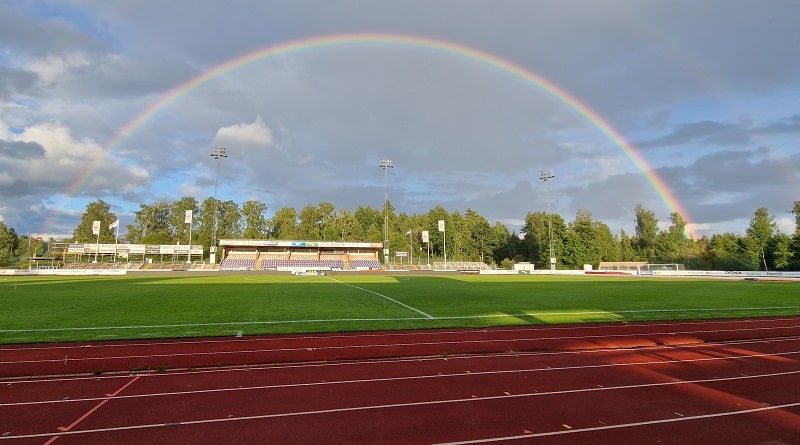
point(415, 404)
point(390, 334)
point(383, 345)
point(385, 297)
point(622, 425)
point(452, 375)
point(425, 317)
point(461, 357)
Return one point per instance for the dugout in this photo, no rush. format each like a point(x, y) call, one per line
point(630, 266)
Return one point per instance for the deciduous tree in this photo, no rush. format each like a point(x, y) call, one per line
point(95, 211)
point(759, 234)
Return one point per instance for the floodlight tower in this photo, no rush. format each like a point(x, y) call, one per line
point(217, 153)
point(386, 164)
point(546, 176)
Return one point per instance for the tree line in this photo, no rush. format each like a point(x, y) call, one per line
point(470, 236)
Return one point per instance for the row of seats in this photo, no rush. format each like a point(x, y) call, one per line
point(271, 261)
point(274, 264)
point(236, 263)
point(365, 264)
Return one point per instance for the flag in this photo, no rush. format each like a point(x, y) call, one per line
point(113, 225)
point(188, 217)
point(409, 232)
point(95, 227)
point(441, 225)
point(425, 236)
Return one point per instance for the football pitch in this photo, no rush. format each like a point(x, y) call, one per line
point(63, 309)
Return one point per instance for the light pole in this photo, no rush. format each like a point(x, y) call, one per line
point(386, 164)
point(217, 153)
point(546, 176)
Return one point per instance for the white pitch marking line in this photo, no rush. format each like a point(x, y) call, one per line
point(384, 296)
point(429, 317)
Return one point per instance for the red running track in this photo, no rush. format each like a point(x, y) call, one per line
point(718, 382)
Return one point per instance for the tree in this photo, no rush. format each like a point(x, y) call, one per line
point(176, 220)
point(588, 242)
point(95, 211)
point(727, 252)
point(779, 252)
point(255, 224)
point(579, 240)
point(370, 222)
point(457, 237)
point(478, 242)
point(151, 225)
point(646, 233)
point(204, 222)
point(8, 244)
point(283, 224)
point(348, 227)
point(672, 245)
point(229, 219)
point(436, 237)
point(759, 235)
point(795, 246)
point(535, 245)
point(627, 252)
point(310, 221)
point(499, 243)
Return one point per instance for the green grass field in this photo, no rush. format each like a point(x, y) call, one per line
point(54, 309)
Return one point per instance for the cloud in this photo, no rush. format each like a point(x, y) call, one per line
point(688, 83)
point(789, 125)
point(255, 134)
point(702, 133)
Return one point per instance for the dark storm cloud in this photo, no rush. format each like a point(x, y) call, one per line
point(15, 81)
point(28, 33)
point(21, 150)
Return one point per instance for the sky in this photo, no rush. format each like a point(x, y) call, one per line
point(677, 105)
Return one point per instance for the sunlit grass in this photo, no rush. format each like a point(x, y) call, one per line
point(46, 309)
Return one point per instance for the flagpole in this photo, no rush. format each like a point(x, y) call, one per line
point(411, 242)
point(116, 242)
point(444, 240)
point(189, 257)
point(96, 231)
point(187, 218)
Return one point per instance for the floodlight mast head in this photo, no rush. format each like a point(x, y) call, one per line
point(547, 175)
point(219, 152)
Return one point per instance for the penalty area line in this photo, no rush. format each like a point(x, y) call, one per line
point(386, 297)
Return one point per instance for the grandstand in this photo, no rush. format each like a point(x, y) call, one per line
point(287, 255)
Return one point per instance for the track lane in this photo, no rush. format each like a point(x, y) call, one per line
point(24, 360)
point(630, 380)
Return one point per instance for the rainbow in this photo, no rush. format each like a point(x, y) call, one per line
point(462, 51)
